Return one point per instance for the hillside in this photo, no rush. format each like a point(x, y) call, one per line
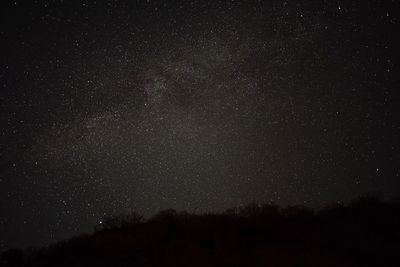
point(363, 233)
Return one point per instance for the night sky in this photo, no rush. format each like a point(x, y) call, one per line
point(112, 106)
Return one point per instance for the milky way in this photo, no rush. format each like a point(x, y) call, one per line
point(198, 105)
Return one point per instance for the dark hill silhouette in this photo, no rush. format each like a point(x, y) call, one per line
point(364, 233)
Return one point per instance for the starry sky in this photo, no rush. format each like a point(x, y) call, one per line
point(112, 106)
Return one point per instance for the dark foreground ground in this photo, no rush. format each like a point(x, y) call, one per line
point(364, 233)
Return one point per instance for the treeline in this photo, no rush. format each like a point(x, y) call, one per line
point(365, 232)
